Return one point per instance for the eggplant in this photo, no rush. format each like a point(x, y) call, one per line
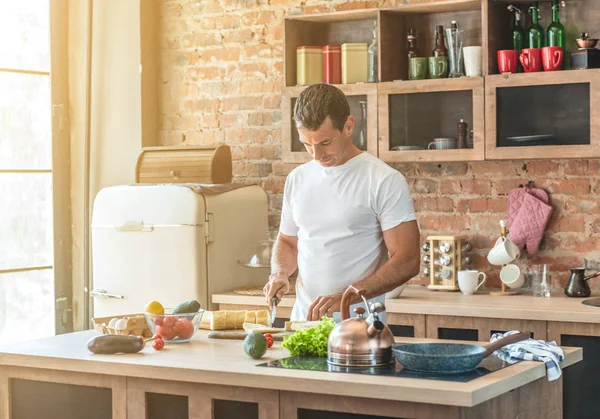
point(115, 344)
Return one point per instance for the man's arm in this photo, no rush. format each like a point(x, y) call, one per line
point(403, 244)
point(284, 262)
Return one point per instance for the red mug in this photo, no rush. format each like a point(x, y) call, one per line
point(508, 61)
point(552, 58)
point(531, 59)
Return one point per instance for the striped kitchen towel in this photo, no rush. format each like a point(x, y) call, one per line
point(532, 350)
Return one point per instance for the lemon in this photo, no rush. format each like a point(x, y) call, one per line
point(154, 307)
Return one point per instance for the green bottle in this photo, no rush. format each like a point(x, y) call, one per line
point(535, 33)
point(556, 31)
point(518, 33)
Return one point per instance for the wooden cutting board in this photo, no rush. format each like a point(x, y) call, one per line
point(241, 335)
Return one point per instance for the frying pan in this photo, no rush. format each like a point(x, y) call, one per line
point(448, 358)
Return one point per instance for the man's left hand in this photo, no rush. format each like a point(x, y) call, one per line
point(324, 306)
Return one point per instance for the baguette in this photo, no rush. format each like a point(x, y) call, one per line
point(233, 319)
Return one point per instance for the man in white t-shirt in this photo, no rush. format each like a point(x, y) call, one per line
point(343, 213)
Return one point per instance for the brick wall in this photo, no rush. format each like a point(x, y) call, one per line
point(222, 72)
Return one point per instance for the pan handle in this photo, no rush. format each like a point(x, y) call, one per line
point(494, 346)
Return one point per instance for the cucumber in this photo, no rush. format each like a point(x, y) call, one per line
point(115, 344)
point(191, 306)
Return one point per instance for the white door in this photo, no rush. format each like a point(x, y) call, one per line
point(33, 190)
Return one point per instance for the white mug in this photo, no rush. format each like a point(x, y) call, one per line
point(503, 252)
point(472, 57)
point(467, 281)
point(512, 276)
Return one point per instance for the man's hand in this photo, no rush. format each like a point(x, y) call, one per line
point(277, 286)
point(324, 306)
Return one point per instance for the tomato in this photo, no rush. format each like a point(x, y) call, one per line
point(159, 320)
point(268, 335)
point(157, 337)
point(178, 326)
point(186, 328)
point(269, 342)
point(158, 344)
point(165, 332)
point(169, 321)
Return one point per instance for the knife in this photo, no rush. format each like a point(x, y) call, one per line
point(274, 303)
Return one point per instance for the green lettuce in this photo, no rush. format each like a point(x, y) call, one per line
point(310, 342)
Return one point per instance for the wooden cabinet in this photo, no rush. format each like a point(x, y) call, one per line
point(580, 381)
point(543, 115)
point(406, 325)
point(27, 393)
point(479, 328)
point(293, 150)
point(154, 399)
point(413, 114)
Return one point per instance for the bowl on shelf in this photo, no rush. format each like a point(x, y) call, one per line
point(174, 328)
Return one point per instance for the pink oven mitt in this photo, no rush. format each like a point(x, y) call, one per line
point(515, 200)
point(530, 223)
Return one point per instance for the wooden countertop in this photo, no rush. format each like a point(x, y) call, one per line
point(224, 362)
point(419, 300)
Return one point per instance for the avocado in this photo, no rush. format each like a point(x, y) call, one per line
point(255, 345)
point(191, 306)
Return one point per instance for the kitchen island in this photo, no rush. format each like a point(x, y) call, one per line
point(58, 377)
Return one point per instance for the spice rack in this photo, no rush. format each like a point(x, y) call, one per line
point(444, 257)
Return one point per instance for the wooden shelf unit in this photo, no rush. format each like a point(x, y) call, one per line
point(486, 23)
point(436, 121)
point(292, 149)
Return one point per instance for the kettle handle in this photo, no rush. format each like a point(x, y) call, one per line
point(591, 276)
point(346, 298)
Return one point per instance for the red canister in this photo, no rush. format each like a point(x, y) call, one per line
point(332, 64)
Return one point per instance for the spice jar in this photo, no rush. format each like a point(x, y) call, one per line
point(355, 67)
point(309, 65)
point(332, 64)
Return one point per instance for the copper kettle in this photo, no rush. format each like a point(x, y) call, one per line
point(360, 342)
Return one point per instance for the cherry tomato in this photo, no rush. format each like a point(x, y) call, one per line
point(186, 328)
point(268, 335)
point(158, 344)
point(157, 337)
point(159, 320)
point(269, 342)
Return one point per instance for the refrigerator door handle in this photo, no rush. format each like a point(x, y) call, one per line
point(100, 293)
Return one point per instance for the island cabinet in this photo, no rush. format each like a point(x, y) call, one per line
point(158, 399)
point(582, 381)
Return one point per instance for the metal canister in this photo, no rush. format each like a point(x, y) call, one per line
point(355, 66)
point(332, 64)
point(309, 65)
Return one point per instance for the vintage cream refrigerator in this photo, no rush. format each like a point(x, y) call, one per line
point(173, 243)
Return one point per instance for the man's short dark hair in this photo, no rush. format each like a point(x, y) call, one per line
point(316, 103)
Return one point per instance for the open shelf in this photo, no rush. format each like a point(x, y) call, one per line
point(414, 113)
point(292, 149)
point(326, 29)
point(394, 24)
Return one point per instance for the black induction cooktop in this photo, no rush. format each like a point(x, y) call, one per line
point(488, 365)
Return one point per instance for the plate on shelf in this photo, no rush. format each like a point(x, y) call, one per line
point(528, 140)
point(406, 148)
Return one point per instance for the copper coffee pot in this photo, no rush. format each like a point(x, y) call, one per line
point(360, 342)
point(577, 285)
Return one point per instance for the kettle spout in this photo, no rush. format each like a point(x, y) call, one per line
point(375, 328)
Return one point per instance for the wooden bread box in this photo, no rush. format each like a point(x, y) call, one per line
point(184, 164)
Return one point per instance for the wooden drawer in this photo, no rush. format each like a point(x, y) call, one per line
point(477, 328)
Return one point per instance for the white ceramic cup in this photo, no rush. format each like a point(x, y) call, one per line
point(395, 293)
point(503, 252)
point(442, 144)
point(468, 281)
point(472, 57)
point(512, 276)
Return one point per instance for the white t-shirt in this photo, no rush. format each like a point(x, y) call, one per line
point(339, 215)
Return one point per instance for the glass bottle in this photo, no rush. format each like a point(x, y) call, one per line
point(518, 33)
point(454, 35)
point(413, 50)
point(373, 56)
point(439, 49)
point(556, 31)
point(535, 33)
point(362, 134)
